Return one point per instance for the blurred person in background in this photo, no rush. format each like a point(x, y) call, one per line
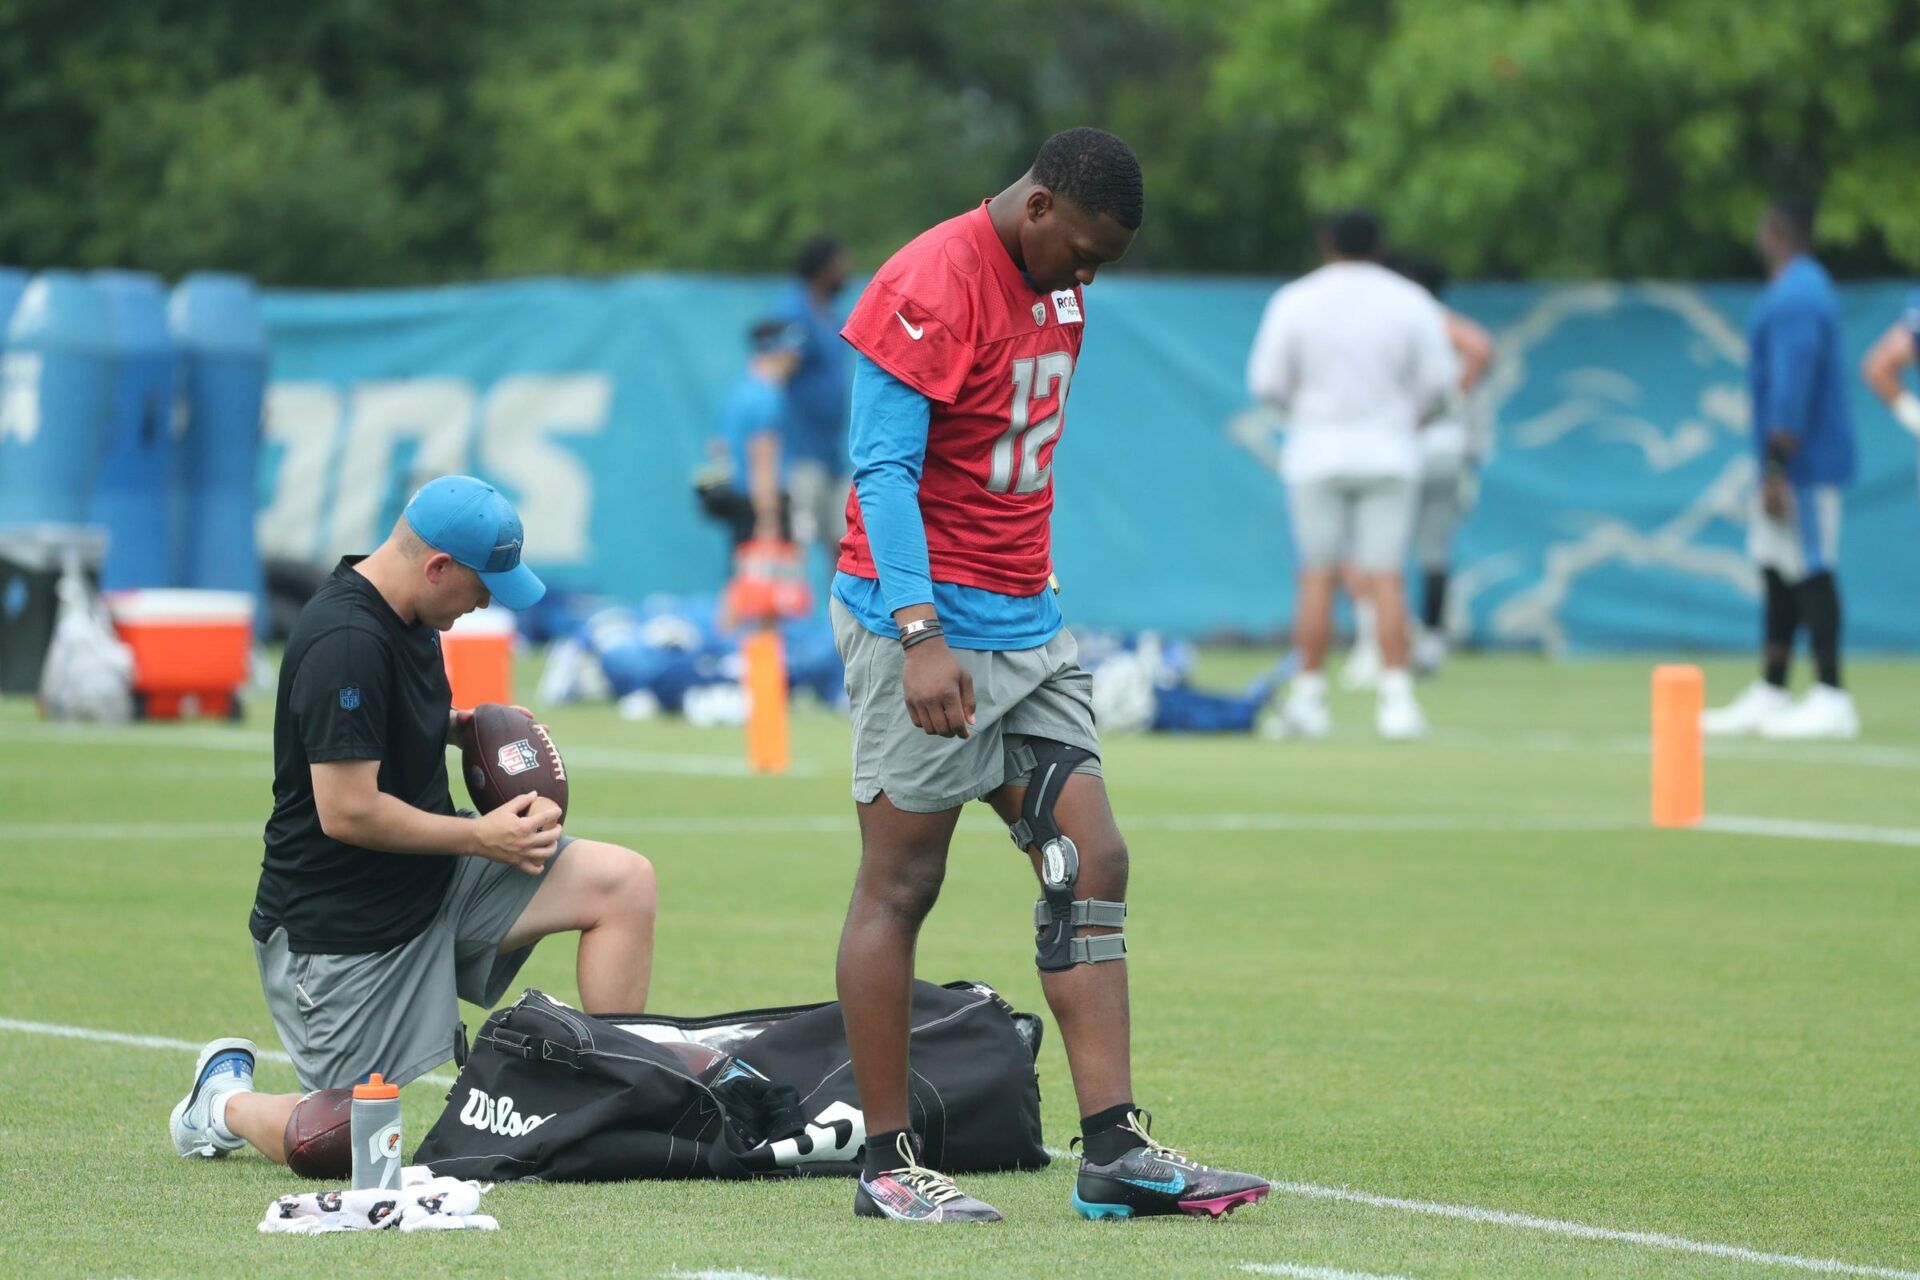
point(744, 484)
point(1357, 359)
point(1452, 448)
point(1887, 362)
point(818, 396)
point(1803, 437)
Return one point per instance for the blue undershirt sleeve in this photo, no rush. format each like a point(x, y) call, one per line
point(889, 444)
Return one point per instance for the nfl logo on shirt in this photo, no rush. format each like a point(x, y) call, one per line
point(1039, 313)
point(350, 698)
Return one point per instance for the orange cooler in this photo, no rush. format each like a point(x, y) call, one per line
point(190, 648)
point(479, 657)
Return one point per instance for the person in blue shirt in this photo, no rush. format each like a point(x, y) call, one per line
point(744, 484)
point(1803, 442)
point(818, 396)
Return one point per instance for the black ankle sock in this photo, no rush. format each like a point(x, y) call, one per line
point(883, 1153)
point(1102, 1137)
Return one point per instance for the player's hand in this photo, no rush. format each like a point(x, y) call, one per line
point(1776, 498)
point(938, 689)
point(523, 833)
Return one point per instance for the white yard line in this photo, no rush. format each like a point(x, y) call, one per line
point(677, 1274)
point(1467, 1213)
point(1843, 753)
point(97, 1036)
point(190, 738)
point(18, 831)
point(1583, 1231)
point(843, 824)
point(1794, 829)
point(1299, 1272)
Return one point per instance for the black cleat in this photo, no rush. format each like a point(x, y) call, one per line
point(1152, 1180)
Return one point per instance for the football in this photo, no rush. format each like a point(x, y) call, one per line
point(506, 754)
point(319, 1137)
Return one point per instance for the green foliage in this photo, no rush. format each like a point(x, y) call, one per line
point(362, 142)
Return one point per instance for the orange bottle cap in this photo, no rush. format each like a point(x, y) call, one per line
point(375, 1087)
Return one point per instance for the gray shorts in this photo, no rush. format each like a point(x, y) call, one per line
point(1805, 541)
point(1365, 521)
point(818, 500)
point(397, 1012)
point(1018, 694)
point(1437, 517)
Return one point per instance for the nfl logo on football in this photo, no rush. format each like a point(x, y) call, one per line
point(518, 757)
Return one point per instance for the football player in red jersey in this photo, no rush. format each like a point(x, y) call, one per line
point(962, 682)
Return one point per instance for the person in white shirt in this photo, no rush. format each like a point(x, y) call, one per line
point(1357, 359)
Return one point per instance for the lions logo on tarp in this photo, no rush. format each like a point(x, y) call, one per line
point(518, 757)
point(350, 698)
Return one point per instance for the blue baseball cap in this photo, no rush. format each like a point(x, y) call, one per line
point(470, 521)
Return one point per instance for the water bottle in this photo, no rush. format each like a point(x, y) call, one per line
point(375, 1131)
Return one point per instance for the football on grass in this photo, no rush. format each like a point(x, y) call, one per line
point(507, 755)
point(319, 1136)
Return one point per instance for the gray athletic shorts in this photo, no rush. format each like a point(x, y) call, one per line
point(818, 500)
point(1018, 694)
point(398, 1012)
point(1437, 517)
point(1802, 543)
point(1361, 520)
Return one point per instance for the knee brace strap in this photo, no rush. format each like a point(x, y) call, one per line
point(1058, 913)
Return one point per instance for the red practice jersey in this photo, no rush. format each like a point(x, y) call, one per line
point(953, 318)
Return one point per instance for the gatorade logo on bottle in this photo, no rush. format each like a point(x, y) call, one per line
point(385, 1145)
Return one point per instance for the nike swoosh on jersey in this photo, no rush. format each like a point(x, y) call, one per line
point(911, 331)
point(1171, 1187)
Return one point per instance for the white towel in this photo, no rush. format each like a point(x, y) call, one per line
point(422, 1203)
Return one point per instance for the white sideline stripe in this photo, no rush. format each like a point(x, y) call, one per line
point(1844, 753)
point(1468, 1213)
point(837, 824)
point(1309, 1273)
point(620, 760)
point(152, 1042)
point(172, 738)
point(677, 1274)
point(1551, 1226)
point(209, 738)
point(1794, 829)
point(1582, 1231)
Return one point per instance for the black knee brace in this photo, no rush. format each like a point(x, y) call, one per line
point(1059, 913)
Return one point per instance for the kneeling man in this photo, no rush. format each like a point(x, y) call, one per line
point(379, 906)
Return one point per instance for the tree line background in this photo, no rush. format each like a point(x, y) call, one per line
point(373, 142)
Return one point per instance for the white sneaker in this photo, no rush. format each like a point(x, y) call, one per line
point(1362, 667)
point(1758, 703)
point(1305, 714)
point(1824, 712)
point(1429, 652)
point(225, 1067)
point(1397, 715)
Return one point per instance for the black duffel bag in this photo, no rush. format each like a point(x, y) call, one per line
point(552, 1094)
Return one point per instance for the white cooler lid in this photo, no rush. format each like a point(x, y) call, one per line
point(177, 604)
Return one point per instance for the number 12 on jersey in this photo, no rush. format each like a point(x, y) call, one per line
point(1035, 378)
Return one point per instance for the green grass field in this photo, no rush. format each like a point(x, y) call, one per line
point(1409, 982)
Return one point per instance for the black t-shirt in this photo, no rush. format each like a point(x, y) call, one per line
point(356, 683)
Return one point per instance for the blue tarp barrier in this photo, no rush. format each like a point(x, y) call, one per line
point(1611, 512)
